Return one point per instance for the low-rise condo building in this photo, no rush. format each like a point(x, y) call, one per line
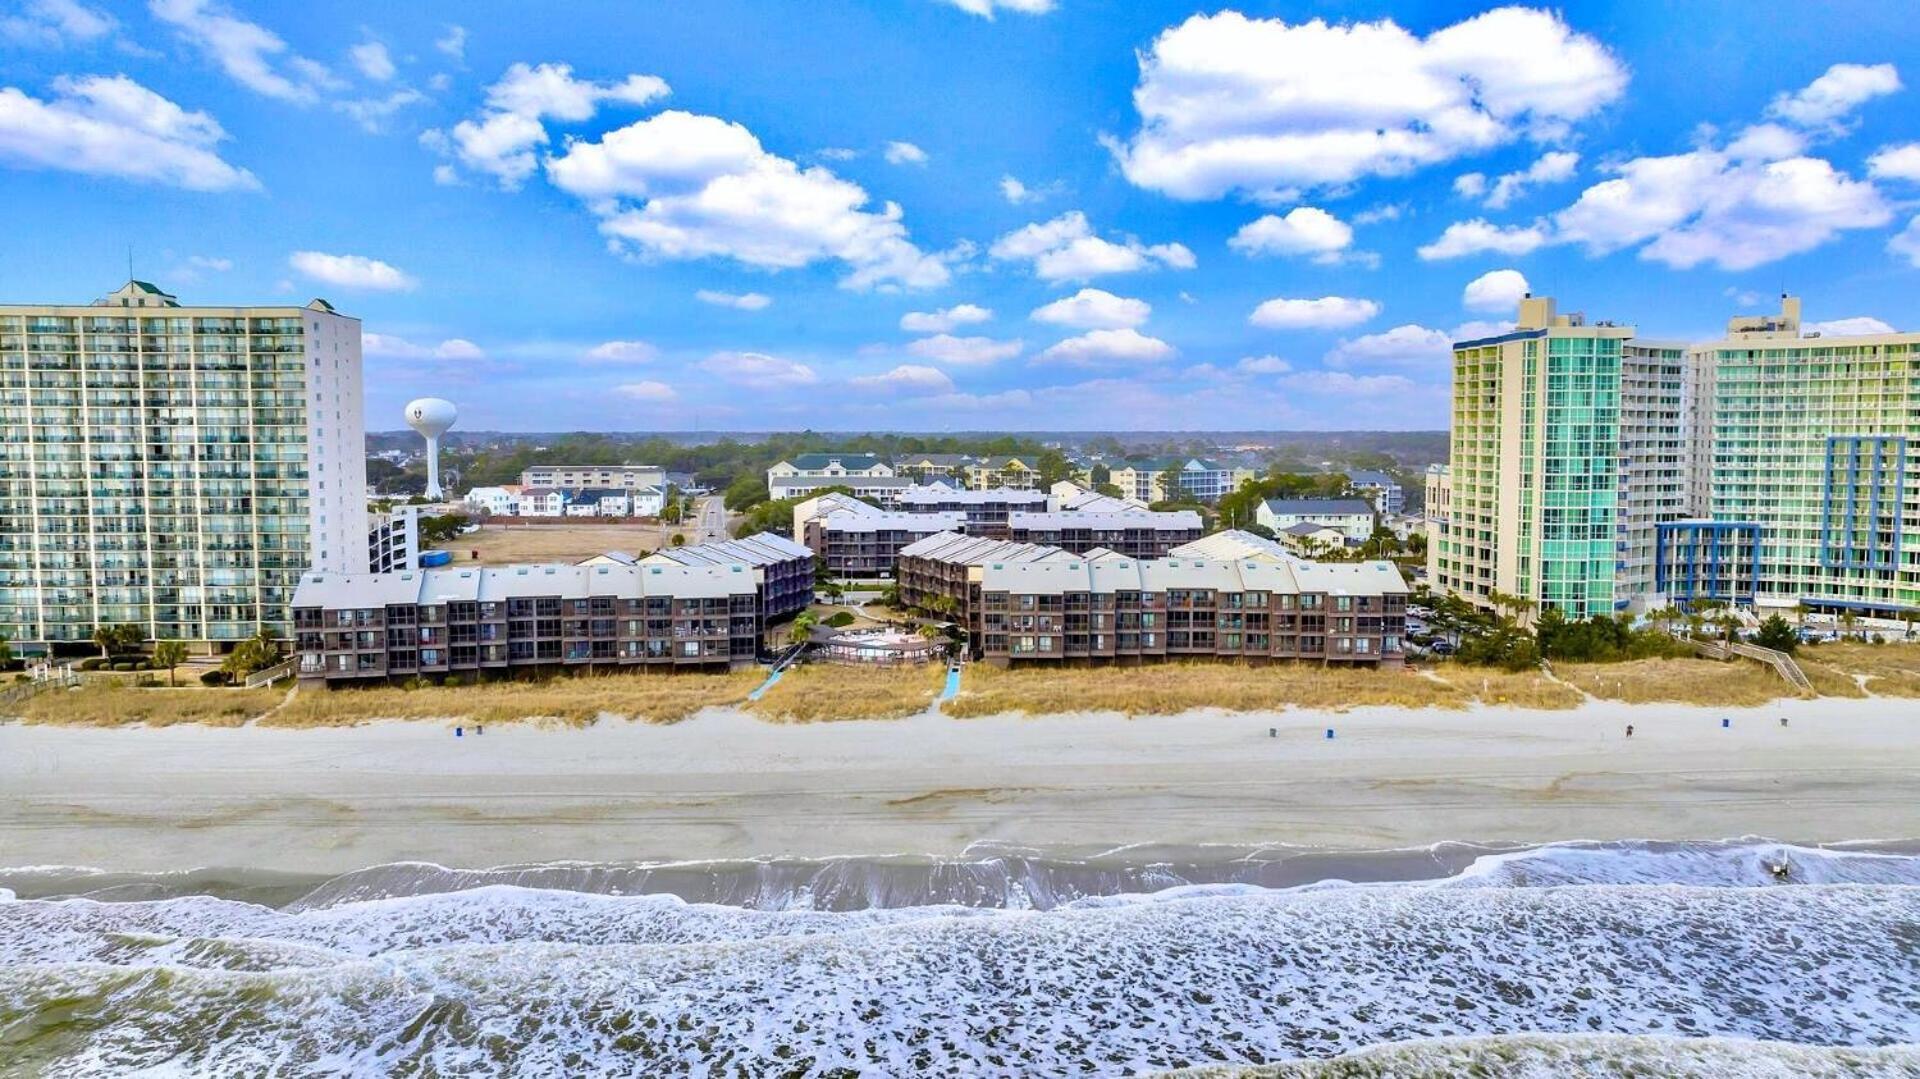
point(1136, 534)
point(829, 466)
point(1378, 488)
point(885, 490)
point(573, 477)
point(1199, 479)
point(785, 568)
point(991, 472)
point(867, 544)
point(493, 620)
point(986, 511)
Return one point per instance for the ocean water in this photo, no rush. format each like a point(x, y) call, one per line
point(1741, 958)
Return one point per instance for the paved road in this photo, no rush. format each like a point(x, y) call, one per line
point(711, 519)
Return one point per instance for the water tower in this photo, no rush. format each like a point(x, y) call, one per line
point(431, 416)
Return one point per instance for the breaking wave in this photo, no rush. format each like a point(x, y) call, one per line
point(1122, 963)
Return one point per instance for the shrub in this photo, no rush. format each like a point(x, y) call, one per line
point(22, 677)
point(838, 619)
point(214, 678)
point(92, 663)
point(1777, 635)
point(123, 666)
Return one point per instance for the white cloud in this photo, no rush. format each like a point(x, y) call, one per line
point(1896, 162)
point(1475, 329)
point(904, 153)
point(622, 352)
point(1479, 236)
point(908, 380)
point(387, 346)
point(758, 369)
point(446, 175)
point(351, 271)
point(739, 301)
point(103, 126)
point(1263, 365)
point(1835, 94)
point(1495, 290)
point(1232, 103)
point(986, 8)
point(1345, 388)
point(1065, 249)
point(1551, 168)
point(944, 320)
point(373, 60)
point(1906, 243)
point(1847, 327)
point(647, 391)
point(208, 262)
point(1470, 185)
point(1740, 296)
point(500, 141)
point(250, 54)
point(946, 348)
point(1711, 206)
point(1402, 346)
point(1109, 346)
point(838, 153)
point(1325, 313)
point(1094, 309)
point(1390, 211)
point(1305, 230)
point(454, 44)
point(372, 113)
point(682, 186)
point(57, 24)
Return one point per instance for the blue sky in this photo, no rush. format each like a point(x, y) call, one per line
point(959, 214)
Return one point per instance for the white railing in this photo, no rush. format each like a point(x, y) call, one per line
point(284, 669)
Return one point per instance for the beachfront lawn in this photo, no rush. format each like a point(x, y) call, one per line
point(655, 697)
point(824, 692)
point(104, 703)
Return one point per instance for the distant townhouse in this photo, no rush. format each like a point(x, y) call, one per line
point(647, 501)
point(992, 472)
point(1311, 540)
point(867, 544)
point(785, 568)
point(495, 620)
point(1200, 479)
point(541, 502)
point(986, 511)
point(1378, 488)
point(885, 490)
point(501, 501)
point(922, 467)
point(829, 466)
point(826, 505)
point(599, 502)
point(1069, 496)
point(1138, 534)
point(1351, 518)
point(575, 477)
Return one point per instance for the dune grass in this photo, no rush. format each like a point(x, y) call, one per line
point(1679, 681)
point(103, 703)
point(823, 692)
point(1171, 688)
point(1891, 670)
point(655, 697)
point(1509, 689)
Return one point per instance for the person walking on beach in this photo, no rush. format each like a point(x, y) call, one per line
point(1629, 730)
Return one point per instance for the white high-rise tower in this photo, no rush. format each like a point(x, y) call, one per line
point(432, 416)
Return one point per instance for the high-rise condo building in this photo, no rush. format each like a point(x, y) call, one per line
point(1593, 471)
point(175, 468)
point(1807, 470)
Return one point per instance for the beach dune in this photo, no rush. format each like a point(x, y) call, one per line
point(724, 785)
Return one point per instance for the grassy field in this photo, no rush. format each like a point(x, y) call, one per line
point(558, 543)
point(1508, 689)
point(822, 692)
point(115, 704)
point(573, 701)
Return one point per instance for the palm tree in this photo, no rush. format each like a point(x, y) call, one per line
point(169, 654)
point(1848, 620)
point(106, 637)
point(802, 629)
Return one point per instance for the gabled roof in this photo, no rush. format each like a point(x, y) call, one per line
point(1236, 544)
point(1308, 507)
point(852, 462)
point(1307, 528)
point(1370, 478)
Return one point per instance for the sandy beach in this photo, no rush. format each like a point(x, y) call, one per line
point(724, 785)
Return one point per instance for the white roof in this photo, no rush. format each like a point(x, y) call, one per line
point(1234, 543)
point(1169, 519)
point(488, 584)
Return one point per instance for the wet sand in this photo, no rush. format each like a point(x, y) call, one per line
point(724, 785)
